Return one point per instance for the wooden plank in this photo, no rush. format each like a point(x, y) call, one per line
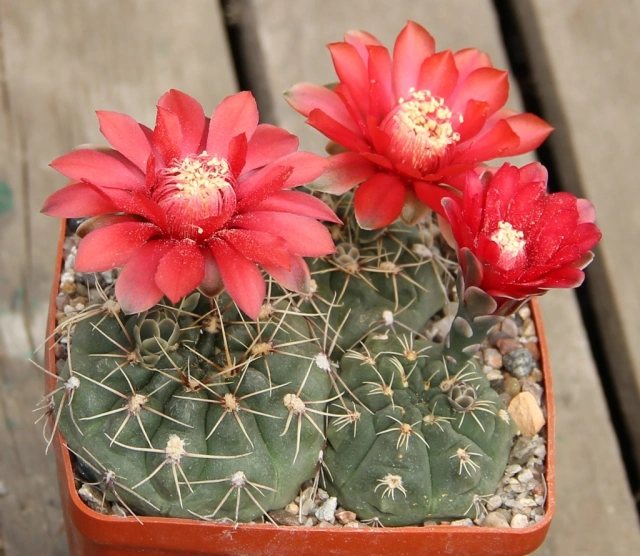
point(289, 39)
point(582, 52)
point(595, 509)
point(61, 61)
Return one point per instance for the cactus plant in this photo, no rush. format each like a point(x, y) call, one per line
point(227, 371)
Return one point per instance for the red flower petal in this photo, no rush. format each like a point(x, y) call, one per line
point(237, 154)
point(303, 236)
point(296, 279)
point(235, 115)
point(136, 289)
point(531, 130)
point(412, 46)
point(438, 74)
point(191, 117)
point(352, 71)
point(486, 84)
point(180, 271)
point(475, 118)
point(260, 185)
point(77, 200)
point(112, 246)
point(268, 144)
point(381, 96)
point(167, 135)
point(259, 247)
point(98, 168)
point(211, 284)
point(360, 40)
point(378, 201)
point(468, 60)
point(337, 132)
point(242, 279)
point(345, 171)
point(432, 195)
point(298, 202)
point(493, 143)
point(126, 136)
point(306, 97)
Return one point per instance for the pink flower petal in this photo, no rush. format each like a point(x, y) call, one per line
point(167, 135)
point(180, 271)
point(126, 136)
point(268, 144)
point(191, 117)
point(98, 168)
point(77, 200)
point(298, 202)
point(345, 171)
point(297, 279)
point(438, 74)
point(378, 201)
point(112, 246)
point(242, 279)
point(235, 115)
point(306, 97)
point(136, 289)
point(412, 46)
point(303, 236)
point(360, 40)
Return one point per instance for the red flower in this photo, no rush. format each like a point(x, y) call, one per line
point(411, 123)
point(195, 203)
point(515, 240)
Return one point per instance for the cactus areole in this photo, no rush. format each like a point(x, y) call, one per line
point(248, 351)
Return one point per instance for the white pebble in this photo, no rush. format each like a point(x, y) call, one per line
point(327, 512)
point(519, 521)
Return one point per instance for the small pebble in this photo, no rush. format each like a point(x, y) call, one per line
point(534, 349)
point(429, 523)
point(519, 521)
point(512, 470)
point(528, 328)
point(118, 510)
point(507, 345)
point(533, 388)
point(292, 508)
point(524, 312)
point(536, 375)
point(525, 476)
point(495, 519)
point(525, 411)
point(327, 511)
point(345, 517)
point(511, 386)
point(283, 517)
point(522, 449)
point(327, 524)
point(509, 327)
point(466, 522)
point(519, 362)
point(493, 358)
point(494, 502)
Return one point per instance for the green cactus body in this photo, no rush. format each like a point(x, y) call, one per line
point(194, 411)
point(418, 437)
point(213, 410)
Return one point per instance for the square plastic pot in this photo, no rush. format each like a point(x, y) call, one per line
point(93, 534)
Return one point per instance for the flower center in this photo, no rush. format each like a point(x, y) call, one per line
point(192, 189)
point(421, 130)
point(510, 240)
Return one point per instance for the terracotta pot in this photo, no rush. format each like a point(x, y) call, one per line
point(93, 534)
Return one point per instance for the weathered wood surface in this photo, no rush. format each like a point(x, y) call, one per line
point(61, 61)
point(64, 59)
point(582, 52)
